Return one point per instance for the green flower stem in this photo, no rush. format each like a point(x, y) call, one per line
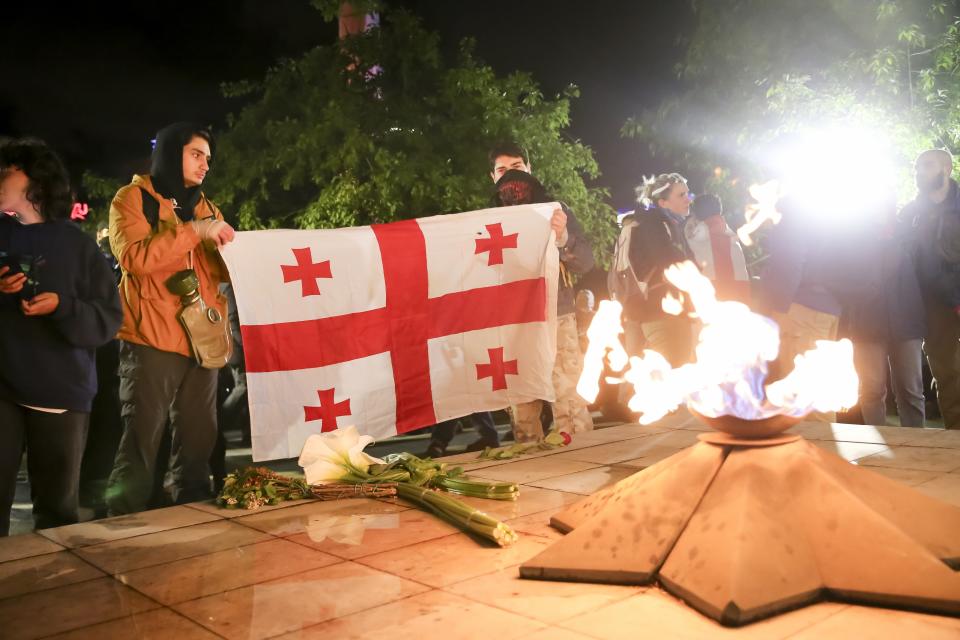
point(476, 489)
point(459, 513)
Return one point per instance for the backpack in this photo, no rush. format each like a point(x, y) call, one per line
point(622, 282)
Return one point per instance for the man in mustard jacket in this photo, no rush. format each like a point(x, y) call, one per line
point(161, 224)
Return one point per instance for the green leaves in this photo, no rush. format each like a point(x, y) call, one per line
point(99, 192)
point(380, 128)
point(552, 440)
point(756, 69)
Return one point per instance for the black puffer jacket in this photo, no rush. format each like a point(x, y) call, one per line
point(656, 243)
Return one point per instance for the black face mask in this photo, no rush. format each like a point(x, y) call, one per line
point(166, 170)
point(514, 193)
point(519, 187)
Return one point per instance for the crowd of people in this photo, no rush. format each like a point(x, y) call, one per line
point(101, 322)
point(890, 282)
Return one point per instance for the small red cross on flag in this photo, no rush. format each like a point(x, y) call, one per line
point(306, 271)
point(497, 369)
point(328, 411)
point(402, 334)
point(495, 244)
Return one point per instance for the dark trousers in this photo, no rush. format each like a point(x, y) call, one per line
point(103, 436)
point(54, 443)
point(154, 386)
point(482, 421)
point(942, 346)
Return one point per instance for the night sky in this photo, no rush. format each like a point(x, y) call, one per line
point(96, 80)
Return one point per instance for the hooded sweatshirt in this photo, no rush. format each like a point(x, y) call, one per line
point(166, 168)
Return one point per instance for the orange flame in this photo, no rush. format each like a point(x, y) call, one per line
point(732, 354)
point(604, 335)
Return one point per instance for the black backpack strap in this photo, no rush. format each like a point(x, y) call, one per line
point(151, 208)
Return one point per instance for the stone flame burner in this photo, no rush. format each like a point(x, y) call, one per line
point(743, 528)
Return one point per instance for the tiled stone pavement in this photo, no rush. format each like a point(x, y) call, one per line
point(377, 569)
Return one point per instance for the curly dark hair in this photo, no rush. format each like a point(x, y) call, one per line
point(49, 184)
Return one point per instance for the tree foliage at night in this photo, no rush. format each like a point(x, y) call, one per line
point(98, 193)
point(757, 69)
point(326, 142)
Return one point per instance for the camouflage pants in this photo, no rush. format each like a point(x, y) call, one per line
point(569, 410)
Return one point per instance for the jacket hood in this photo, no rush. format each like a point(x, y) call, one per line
point(166, 168)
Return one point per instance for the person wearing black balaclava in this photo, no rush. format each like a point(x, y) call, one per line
point(510, 171)
point(161, 224)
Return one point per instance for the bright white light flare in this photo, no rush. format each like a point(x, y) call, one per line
point(759, 212)
point(834, 175)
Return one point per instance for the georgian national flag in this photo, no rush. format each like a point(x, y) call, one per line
point(395, 326)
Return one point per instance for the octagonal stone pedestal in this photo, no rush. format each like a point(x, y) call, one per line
point(742, 531)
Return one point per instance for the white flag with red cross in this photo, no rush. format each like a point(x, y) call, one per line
point(395, 326)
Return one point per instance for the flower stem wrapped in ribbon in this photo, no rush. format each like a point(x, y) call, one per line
point(253, 487)
point(338, 457)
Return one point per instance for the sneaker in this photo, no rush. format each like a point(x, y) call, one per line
point(435, 450)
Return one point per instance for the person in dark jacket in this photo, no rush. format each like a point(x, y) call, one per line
point(809, 275)
point(935, 214)
point(887, 325)
point(658, 241)
point(58, 303)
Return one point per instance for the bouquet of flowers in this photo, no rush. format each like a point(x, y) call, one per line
point(338, 457)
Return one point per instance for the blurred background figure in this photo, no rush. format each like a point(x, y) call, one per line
point(887, 324)
point(935, 213)
point(717, 251)
point(103, 436)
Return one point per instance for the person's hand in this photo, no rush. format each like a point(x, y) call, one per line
point(214, 232)
point(11, 284)
point(221, 233)
point(42, 304)
point(558, 222)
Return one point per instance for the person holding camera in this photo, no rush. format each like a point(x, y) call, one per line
point(58, 303)
point(165, 234)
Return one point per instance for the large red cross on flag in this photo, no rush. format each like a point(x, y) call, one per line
point(395, 326)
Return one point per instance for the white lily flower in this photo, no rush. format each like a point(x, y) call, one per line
point(330, 456)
